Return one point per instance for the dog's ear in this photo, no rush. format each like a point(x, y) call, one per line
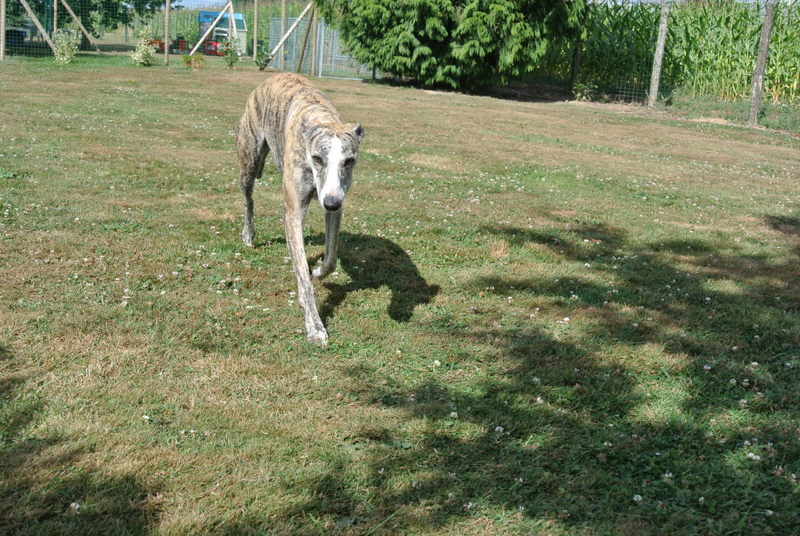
point(358, 130)
point(305, 128)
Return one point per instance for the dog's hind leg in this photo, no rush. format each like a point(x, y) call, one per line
point(251, 155)
point(332, 221)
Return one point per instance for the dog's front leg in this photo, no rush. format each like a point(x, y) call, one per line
point(293, 224)
point(332, 221)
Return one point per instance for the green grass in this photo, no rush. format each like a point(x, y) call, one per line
point(548, 318)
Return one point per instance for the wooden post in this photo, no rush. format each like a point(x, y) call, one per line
point(577, 50)
point(2, 30)
point(761, 64)
point(255, 28)
point(314, 44)
point(210, 29)
point(658, 57)
point(80, 25)
point(38, 25)
point(289, 32)
point(281, 61)
point(305, 43)
point(166, 32)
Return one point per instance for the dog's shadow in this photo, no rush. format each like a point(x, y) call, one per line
point(373, 262)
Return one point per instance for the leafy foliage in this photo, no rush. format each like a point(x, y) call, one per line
point(711, 48)
point(65, 45)
point(465, 44)
point(193, 61)
point(263, 57)
point(145, 52)
point(230, 52)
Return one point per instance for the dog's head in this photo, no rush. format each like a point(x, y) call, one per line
point(331, 154)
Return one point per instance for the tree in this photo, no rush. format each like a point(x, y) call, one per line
point(465, 44)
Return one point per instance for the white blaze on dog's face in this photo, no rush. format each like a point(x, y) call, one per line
point(332, 156)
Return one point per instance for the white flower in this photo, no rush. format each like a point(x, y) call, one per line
point(499, 429)
point(454, 415)
point(753, 456)
point(638, 499)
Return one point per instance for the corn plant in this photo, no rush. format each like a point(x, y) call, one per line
point(711, 48)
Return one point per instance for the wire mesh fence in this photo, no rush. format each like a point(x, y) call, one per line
point(322, 52)
point(711, 48)
point(117, 28)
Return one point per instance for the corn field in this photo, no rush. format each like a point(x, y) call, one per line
point(711, 49)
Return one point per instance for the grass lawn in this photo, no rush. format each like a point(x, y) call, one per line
point(548, 318)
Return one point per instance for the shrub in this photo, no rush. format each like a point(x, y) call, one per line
point(584, 91)
point(145, 52)
point(193, 61)
point(466, 44)
point(230, 52)
point(65, 45)
point(263, 57)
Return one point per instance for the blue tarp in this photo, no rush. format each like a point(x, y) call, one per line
point(207, 17)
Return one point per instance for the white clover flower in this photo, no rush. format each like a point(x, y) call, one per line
point(638, 499)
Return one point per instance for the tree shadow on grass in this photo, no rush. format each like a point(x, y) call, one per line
point(43, 488)
point(671, 408)
point(372, 262)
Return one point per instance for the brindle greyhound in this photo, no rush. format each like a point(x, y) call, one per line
point(315, 152)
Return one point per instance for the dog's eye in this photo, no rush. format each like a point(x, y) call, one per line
point(318, 159)
point(349, 161)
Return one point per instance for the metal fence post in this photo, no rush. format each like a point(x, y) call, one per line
point(281, 62)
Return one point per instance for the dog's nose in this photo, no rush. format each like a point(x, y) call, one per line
point(332, 203)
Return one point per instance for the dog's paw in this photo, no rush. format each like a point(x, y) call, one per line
point(319, 337)
point(248, 237)
point(319, 272)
